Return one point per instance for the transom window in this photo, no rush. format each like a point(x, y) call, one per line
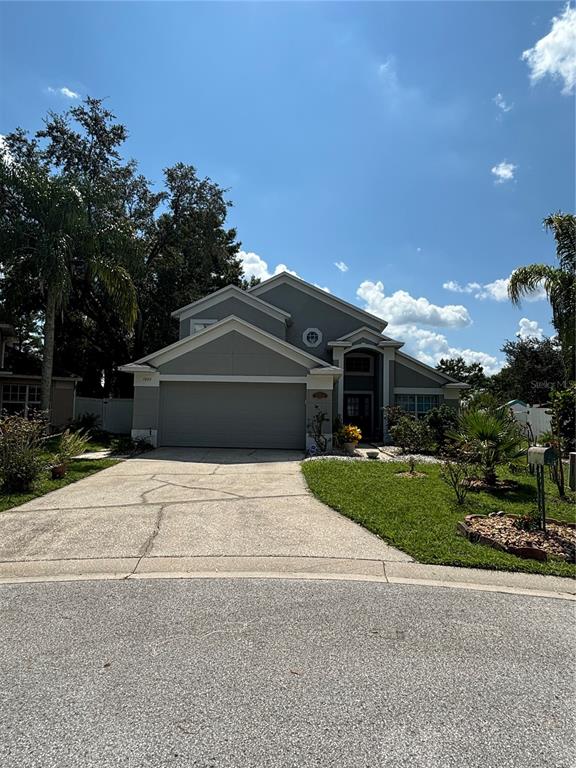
point(20, 398)
point(417, 405)
point(358, 364)
point(312, 337)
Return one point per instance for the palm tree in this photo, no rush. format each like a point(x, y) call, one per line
point(46, 233)
point(559, 283)
point(492, 436)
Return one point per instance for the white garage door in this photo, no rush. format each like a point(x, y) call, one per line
point(232, 415)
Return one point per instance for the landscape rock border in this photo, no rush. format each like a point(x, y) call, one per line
point(527, 553)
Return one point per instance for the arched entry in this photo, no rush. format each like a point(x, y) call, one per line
point(362, 396)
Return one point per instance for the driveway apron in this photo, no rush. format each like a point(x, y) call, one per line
point(246, 505)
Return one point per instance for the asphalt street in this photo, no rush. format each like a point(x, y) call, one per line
point(265, 673)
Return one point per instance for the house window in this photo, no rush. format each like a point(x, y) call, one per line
point(312, 337)
point(20, 398)
point(417, 405)
point(359, 364)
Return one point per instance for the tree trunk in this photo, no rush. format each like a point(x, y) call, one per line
point(48, 353)
point(490, 477)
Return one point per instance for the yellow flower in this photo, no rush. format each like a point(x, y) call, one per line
point(350, 434)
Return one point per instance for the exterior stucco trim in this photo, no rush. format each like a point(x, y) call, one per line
point(233, 379)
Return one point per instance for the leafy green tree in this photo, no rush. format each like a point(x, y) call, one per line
point(534, 368)
point(48, 239)
point(469, 373)
point(559, 283)
point(173, 245)
point(189, 252)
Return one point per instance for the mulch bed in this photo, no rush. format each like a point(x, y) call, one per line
point(411, 474)
point(478, 484)
point(500, 531)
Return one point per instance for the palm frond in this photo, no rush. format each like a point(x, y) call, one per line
point(526, 281)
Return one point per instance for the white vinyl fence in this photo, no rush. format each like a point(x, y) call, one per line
point(115, 415)
point(535, 416)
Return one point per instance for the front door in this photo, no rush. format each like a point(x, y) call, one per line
point(358, 411)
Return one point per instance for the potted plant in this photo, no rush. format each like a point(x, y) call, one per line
point(349, 436)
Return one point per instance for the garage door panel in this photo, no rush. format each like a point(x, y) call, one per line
point(232, 415)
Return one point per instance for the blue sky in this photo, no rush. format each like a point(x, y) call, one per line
point(410, 143)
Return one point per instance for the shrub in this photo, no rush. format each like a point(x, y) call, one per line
point(493, 437)
point(455, 472)
point(442, 421)
point(564, 417)
point(70, 444)
point(316, 429)
point(21, 452)
point(126, 445)
point(392, 415)
point(85, 422)
point(411, 435)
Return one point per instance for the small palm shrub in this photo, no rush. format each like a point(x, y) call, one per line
point(22, 459)
point(492, 436)
point(412, 435)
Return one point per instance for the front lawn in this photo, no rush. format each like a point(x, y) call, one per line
point(79, 468)
point(419, 515)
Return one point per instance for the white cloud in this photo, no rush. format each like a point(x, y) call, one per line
point(455, 287)
point(529, 329)
point(255, 266)
point(497, 290)
point(64, 91)
point(555, 54)
point(504, 172)
point(430, 347)
point(502, 104)
point(387, 73)
point(341, 266)
point(402, 308)
point(322, 287)
point(403, 313)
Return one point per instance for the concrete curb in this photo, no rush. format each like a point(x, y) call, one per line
point(304, 568)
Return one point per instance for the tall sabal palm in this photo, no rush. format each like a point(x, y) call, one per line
point(46, 233)
point(559, 283)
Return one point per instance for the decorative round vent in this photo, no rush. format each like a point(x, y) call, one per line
point(312, 337)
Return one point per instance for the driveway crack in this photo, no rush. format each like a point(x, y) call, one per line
point(148, 544)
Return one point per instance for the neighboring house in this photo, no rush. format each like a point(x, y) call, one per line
point(252, 368)
point(20, 392)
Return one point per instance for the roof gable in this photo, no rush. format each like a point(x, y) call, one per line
point(219, 329)
point(418, 365)
point(327, 298)
point(222, 295)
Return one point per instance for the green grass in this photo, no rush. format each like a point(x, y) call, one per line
point(419, 516)
point(79, 468)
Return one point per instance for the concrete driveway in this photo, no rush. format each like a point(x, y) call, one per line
point(181, 509)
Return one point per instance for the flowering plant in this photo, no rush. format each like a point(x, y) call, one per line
point(350, 434)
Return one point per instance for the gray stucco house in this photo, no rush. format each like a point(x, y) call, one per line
point(252, 368)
